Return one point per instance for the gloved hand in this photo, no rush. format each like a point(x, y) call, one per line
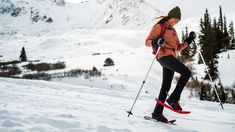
point(158, 42)
point(191, 37)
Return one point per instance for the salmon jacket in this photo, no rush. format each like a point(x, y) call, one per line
point(172, 45)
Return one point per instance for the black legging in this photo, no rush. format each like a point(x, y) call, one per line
point(170, 65)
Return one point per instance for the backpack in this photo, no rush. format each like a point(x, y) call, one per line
point(163, 30)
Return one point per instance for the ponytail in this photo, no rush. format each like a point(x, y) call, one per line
point(161, 19)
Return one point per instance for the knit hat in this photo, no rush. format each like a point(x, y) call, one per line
point(175, 13)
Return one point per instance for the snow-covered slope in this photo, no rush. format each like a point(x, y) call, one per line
point(96, 104)
point(226, 72)
point(29, 106)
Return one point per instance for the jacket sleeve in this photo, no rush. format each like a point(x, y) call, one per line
point(154, 33)
point(181, 46)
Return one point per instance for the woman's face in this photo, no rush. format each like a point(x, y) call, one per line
point(173, 21)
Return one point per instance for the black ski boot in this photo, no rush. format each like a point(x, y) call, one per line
point(160, 118)
point(174, 104)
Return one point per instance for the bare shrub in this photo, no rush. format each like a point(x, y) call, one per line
point(9, 71)
point(37, 76)
point(45, 66)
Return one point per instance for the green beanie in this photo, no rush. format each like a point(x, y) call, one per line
point(175, 13)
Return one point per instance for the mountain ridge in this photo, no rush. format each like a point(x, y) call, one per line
point(20, 15)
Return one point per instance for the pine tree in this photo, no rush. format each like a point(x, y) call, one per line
point(108, 62)
point(218, 36)
point(201, 38)
point(207, 40)
point(219, 30)
point(203, 95)
point(231, 35)
point(223, 95)
point(23, 56)
point(220, 20)
point(225, 35)
point(215, 25)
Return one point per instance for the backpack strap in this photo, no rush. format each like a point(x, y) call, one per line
point(163, 30)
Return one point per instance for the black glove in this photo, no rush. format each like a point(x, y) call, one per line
point(158, 42)
point(190, 38)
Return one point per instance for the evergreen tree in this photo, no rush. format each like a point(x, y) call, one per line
point(225, 36)
point(218, 36)
point(231, 35)
point(221, 33)
point(23, 56)
point(215, 25)
point(233, 95)
point(222, 94)
point(203, 95)
point(108, 62)
point(225, 25)
point(220, 19)
point(201, 38)
point(219, 30)
point(207, 40)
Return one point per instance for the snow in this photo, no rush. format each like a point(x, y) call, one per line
point(28, 105)
point(225, 68)
point(96, 104)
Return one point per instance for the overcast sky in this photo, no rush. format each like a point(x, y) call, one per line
point(196, 8)
point(193, 8)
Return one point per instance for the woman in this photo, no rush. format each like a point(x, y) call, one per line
point(164, 35)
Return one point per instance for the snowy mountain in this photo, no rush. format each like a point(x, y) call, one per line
point(130, 14)
point(41, 15)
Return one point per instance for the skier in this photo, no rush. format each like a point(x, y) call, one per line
point(164, 35)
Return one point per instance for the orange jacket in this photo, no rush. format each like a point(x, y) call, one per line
point(172, 41)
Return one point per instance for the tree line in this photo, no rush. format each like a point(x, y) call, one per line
point(215, 36)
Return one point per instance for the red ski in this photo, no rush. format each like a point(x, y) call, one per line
point(170, 108)
point(168, 122)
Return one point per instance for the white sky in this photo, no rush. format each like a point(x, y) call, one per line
point(193, 8)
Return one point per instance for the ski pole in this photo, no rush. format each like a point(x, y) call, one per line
point(130, 112)
point(213, 86)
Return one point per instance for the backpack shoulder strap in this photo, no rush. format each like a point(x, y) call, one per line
point(163, 30)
